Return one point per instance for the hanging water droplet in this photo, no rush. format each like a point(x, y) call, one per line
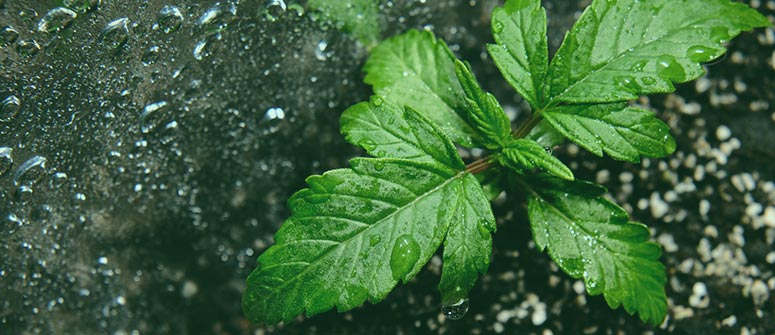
point(6, 160)
point(455, 311)
point(8, 35)
point(9, 108)
point(82, 6)
point(273, 10)
point(170, 19)
point(115, 34)
point(31, 171)
point(404, 256)
point(56, 20)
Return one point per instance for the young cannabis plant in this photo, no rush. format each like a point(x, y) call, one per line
point(356, 232)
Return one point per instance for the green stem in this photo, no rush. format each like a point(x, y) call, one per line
point(480, 165)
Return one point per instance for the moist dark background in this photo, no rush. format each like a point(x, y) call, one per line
point(145, 220)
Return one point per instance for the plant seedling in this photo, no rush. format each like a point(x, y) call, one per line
point(354, 233)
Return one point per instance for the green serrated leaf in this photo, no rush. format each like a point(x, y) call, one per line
point(521, 54)
point(624, 132)
point(468, 244)
point(545, 135)
point(386, 130)
point(417, 70)
point(484, 112)
point(523, 155)
point(590, 237)
point(356, 17)
point(619, 50)
point(355, 233)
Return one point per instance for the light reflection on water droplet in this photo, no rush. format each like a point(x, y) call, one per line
point(9, 108)
point(455, 311)
point(115, 34)
point(31, 171)
point(56, 20)
point(170, 19)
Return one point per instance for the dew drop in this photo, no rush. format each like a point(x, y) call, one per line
point(320, 51)
point(170, 19)
point(377, 101)
point(648, 80)
point(668, 67)
point(9, 108)
point(8, 35)
point(497, 27)
point(368, 144)
point(699, 53)
point(404, 256)
point(639, 66)
point(6, 160)
point(374, 240)
point(216, 18)
point(455, 311)
point(31, 171)
point(273, 10)
point(628, 82)
point(150, 56)
point(56, 20)
point(115, 34)
point(153, 114)
point(272, 119)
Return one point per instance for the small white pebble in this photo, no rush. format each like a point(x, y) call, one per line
point(723, 133)
point(539, 316)
point(710, 231)
point(668, 242)
point(658, 207)
point(578, 287)
point(759, 292)
point(771, 257)
point(730, 321)
point(704, 207)
point(498, 327)
point(699, 297)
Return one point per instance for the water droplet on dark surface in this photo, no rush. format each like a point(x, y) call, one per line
point(56, 20)
point(170, 19)
point(115, 34)
point(9, 108)
point(455, 311)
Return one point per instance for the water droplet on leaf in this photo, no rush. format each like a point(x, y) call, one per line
point(455, 311)
point(497, 27)
point(368, 144)
point(374, 240)
point(699, 53)
point(405, 254)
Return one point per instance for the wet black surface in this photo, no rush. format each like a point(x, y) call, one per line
point(147, 149)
